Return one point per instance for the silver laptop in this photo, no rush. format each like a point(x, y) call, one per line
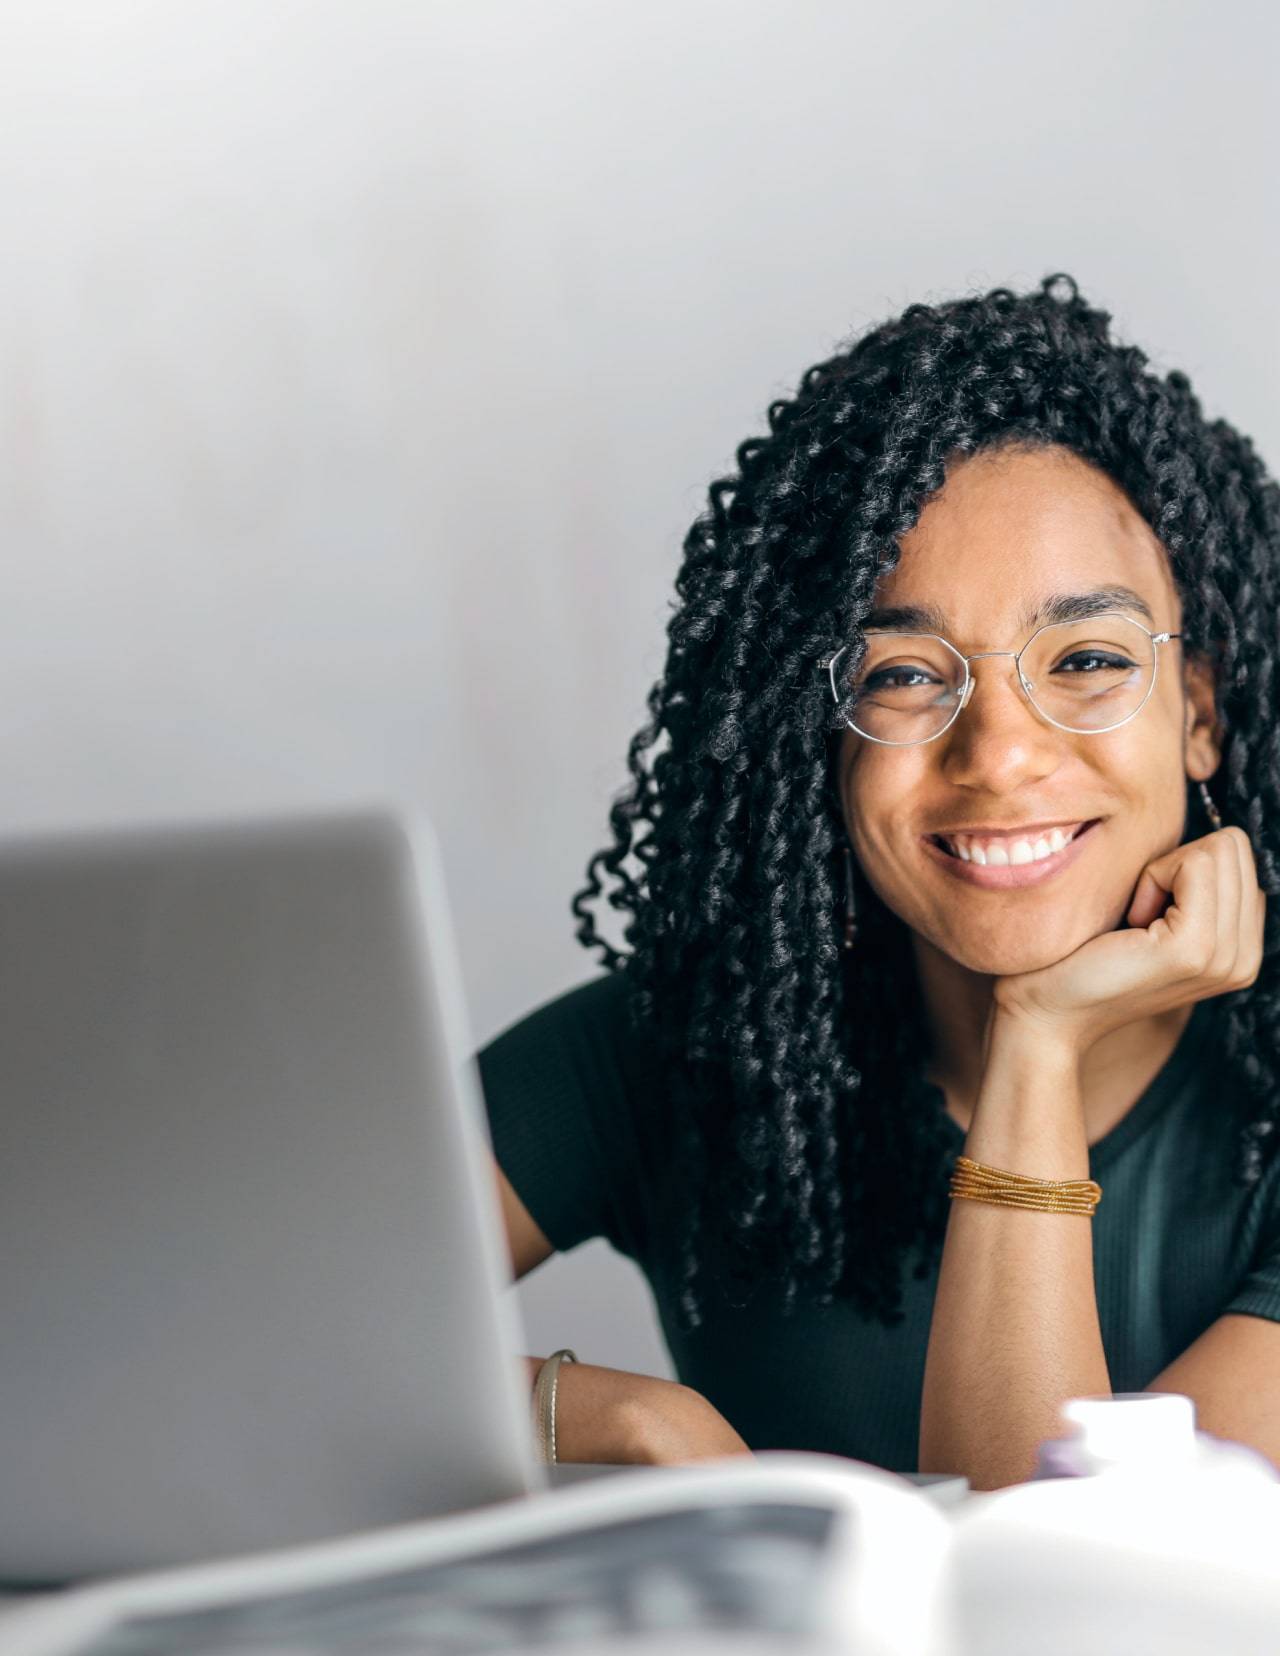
point(252, 1257)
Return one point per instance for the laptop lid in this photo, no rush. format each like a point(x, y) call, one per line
point(252, 1251)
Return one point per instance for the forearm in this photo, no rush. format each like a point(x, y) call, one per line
point(1015, 1323)
point(598, 1411)
point(620, 1418)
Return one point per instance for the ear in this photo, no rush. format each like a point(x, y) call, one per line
point(1202, 732)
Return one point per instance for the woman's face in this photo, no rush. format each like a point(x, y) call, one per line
point(1009, 530)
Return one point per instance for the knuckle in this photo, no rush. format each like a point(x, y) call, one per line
point(1245, 970)
point(1195, 954)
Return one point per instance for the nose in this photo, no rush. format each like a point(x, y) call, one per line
point(998, 742)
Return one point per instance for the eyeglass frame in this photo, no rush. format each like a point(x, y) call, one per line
point(829, 662)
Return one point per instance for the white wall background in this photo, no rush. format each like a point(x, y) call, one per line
point(361, 368)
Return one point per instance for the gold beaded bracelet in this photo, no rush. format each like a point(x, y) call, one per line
point(977, 1182)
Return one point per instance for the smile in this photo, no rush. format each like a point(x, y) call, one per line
point(1002, 863)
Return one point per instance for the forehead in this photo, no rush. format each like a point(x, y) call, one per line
point(1011, 532)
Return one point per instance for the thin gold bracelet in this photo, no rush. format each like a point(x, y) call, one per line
point(976, 1182)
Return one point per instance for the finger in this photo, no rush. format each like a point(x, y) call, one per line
point(1243, 917)
point(1259, 914)
point(1227, 919)
point(1150, 898)
point(1190, 922)
point(1253, 915)
point(1235, 896)
point(1154, 889)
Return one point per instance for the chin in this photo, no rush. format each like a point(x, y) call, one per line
point(1009, 955)
point(1009, 962)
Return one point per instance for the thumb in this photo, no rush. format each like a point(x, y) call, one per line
point(1149, 901)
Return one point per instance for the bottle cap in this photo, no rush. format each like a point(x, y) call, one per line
point(1133, 1428)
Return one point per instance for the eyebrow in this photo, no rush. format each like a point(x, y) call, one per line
point(1062, 606)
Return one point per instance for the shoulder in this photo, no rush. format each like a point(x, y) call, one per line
point(592, 1017)
point(568, 1089)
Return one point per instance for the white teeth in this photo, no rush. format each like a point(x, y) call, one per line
point(1005, 853)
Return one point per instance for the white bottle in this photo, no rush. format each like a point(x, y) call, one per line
point(1139, 1431)
point(1137, 1536)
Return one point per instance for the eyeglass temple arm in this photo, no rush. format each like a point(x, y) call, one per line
point(828, 663)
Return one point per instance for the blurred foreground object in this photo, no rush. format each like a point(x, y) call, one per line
point(1139, 1431)
point(1140, 1537)
point(777, 1552)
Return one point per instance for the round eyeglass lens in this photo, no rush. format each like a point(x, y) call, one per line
point(1081, 675)
point(906, 687)
point(1090, 675)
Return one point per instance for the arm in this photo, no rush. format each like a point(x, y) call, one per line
point(609, 1415)
point(1015, 1329)
point(525, 1241)
point(1233, 1373)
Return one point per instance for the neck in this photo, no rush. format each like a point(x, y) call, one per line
point(1114, 1073)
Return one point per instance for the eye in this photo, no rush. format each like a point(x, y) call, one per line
point(894, 678)
point(1103, 658)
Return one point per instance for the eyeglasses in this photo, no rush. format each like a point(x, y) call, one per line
point(1083, 676)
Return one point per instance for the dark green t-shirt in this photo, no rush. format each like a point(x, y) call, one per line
point(573, 1096)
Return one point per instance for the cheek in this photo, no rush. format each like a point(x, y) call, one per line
point(1148, 779)
point(880, 797)
point(1134, 776)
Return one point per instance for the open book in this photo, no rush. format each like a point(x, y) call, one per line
point(778, 1552)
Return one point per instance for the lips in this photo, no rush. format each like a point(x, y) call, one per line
point(1011, 876)
point(1011, 847)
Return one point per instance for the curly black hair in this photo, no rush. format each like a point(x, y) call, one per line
point(787, 1055)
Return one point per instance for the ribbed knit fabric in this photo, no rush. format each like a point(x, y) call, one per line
point(574, 1101)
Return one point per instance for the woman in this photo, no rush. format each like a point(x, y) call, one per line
point(944, 857)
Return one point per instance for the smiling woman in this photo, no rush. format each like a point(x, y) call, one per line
point(926, 867)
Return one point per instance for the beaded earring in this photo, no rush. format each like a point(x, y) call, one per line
point(850, 909)
point(1211, 810)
